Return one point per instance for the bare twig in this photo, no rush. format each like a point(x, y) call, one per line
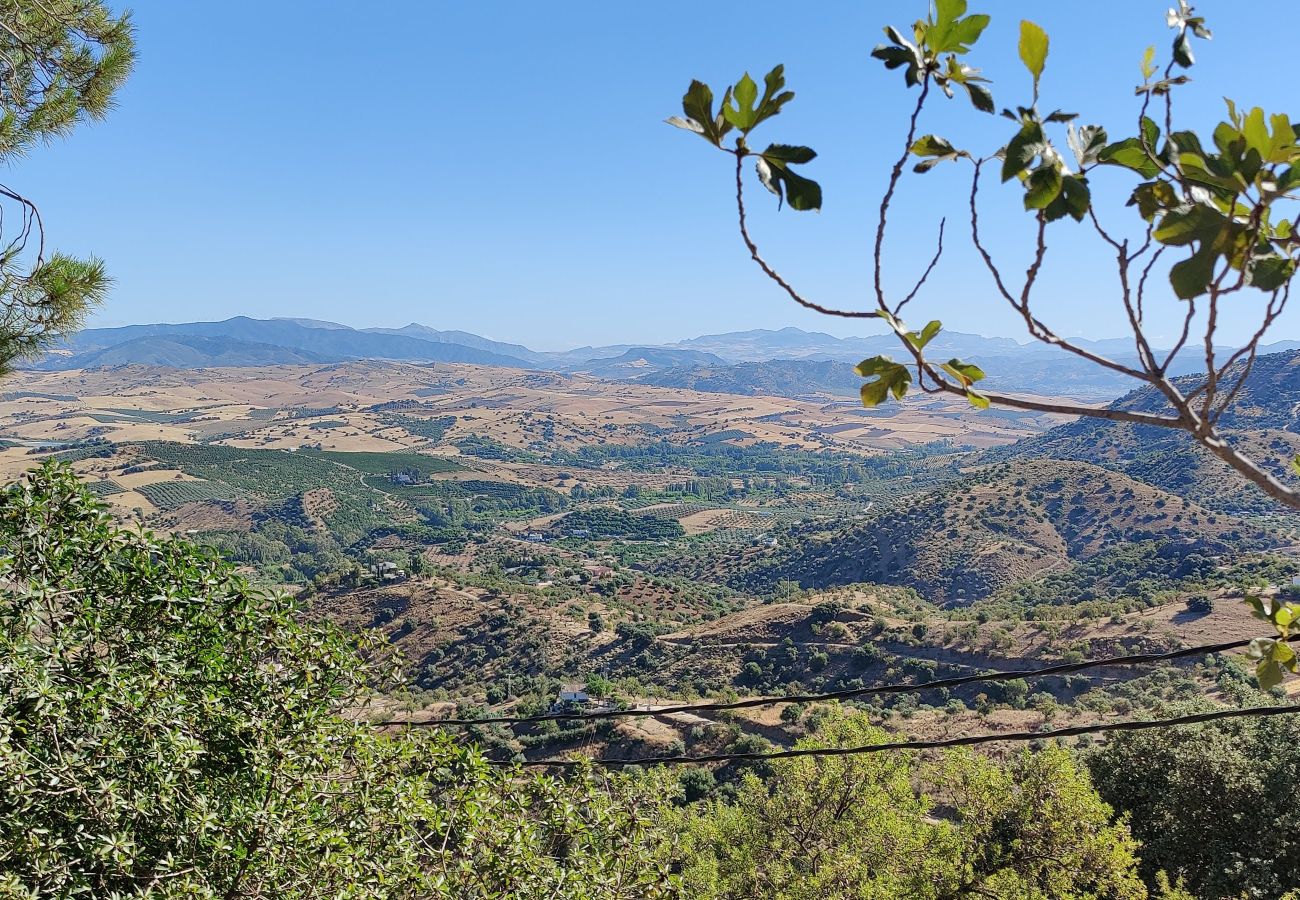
point(767, 269)
point(1037, 328)
point(894, 175)
point(938, 252)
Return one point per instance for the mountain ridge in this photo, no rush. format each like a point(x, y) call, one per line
point(790, 362)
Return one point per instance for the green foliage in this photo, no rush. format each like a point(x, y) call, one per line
point(884, 377)
point(1212, 804)
point(948, 30)
point(171, 494)
point(60, 64)
point(167, 731)
point(610, 522)
point(1274, 656)
point(856, 826)
point(420, 465)
point(1217, 199)
point(743, 110)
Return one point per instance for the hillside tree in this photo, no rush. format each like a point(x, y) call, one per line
point(897, 825)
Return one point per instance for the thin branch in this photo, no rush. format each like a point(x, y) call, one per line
point(1037, 328)
point(894, 175)
point(1070, 409)
point(767, 269)
point(924, 275)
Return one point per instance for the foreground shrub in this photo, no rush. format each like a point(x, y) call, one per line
point(168, 731)
point(896, 825)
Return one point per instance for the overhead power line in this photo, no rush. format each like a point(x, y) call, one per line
point(847, 694)
point(966, 741)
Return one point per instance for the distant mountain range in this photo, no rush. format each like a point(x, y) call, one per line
point(787, 362)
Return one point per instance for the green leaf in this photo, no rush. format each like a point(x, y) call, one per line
point(789, 154)
point(903, 53)
point(1256, 604)
point(966, 32)
point(748, 110)
point(951, 33)
point(1148, 63)
point(1191, 277)
point(948, 11)
point(936, 149)
point(980, 97)
point(1130, 154)
point(1183, 50)
point(1271, 272)
point(966, 373)
point(1153, 197)
point(743, 113)
point(1284, 139)
point(893, 57)
point(977, 400)
point(1044, 186)
point(1256, 132)
point(1187, 224)
point(1033, 49)
point(774, 172)
point(1021, 150)
point(919, 339)
point(1269, 674)
point(887, 377)
point(1074, 200)
point(1086, 142)
point(697, 104)
point(932, 145)
point(1150, 132)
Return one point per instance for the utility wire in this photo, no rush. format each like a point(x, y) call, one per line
point(967, 741)
point(874, 690)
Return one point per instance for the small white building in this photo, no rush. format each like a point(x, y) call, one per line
point(573, 693)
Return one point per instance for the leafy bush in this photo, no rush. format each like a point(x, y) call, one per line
point(168, 731)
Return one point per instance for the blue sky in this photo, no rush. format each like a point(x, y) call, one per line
point(504, 168)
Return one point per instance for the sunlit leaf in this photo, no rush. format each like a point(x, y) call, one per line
point(1033, 48)
point(964, 372)
point(886, 377)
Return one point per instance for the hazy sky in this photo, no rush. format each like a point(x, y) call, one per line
point(503, 167)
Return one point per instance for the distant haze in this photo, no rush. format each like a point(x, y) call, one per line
point(786, 362)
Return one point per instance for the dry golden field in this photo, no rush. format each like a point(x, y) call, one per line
point(283, 407)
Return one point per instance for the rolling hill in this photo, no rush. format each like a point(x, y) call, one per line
point(1003, 524)
point(190, 351)
point(1264, 420)
point(325, 342)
